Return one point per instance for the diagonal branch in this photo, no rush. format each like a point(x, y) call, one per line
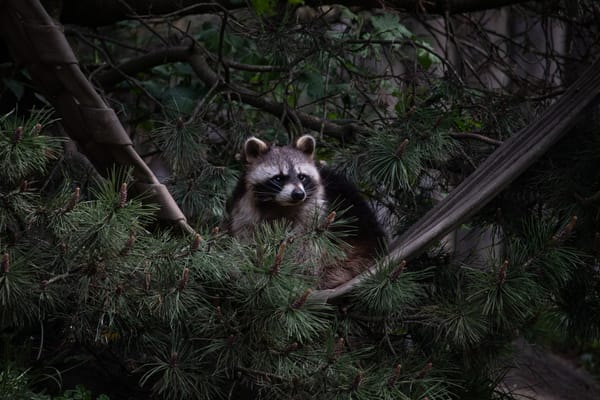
point(40, 44)
point(509, 161)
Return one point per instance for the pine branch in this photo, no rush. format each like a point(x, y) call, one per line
point(508, 162)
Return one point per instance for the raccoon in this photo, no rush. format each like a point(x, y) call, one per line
point(284, 182)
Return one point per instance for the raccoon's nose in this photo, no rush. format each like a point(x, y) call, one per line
point(298, 195)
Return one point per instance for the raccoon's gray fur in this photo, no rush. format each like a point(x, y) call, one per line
point(283, 182)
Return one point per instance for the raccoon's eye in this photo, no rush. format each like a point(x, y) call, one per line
point(278, 178)
point(302, 177)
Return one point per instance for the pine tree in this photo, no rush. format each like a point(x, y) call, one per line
point(91, 281)
point(208, 316)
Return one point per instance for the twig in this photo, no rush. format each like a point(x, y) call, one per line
point(221, 40)
point(475, 136)
point(252, 68)
point(141, 21)
point(201, 103)
point(94, 35)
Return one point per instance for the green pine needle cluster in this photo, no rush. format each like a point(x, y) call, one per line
point(23, 151)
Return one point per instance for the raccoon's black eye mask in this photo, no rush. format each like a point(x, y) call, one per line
point(279, 179)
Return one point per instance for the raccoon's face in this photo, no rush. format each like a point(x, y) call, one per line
point(281, 176)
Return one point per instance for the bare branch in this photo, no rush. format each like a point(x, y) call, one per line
point(197, 57)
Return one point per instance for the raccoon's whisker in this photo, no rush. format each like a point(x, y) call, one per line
point(264, 193)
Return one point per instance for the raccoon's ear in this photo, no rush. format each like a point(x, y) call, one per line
point(306, 144)
point(254, 148)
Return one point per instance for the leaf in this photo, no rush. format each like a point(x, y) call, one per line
point(347, 15)
point(268, 7)
point(388, 27)
point(315, 86)
point(426, 56)
point(264, 7)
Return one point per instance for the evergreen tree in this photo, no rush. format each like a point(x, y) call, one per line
point(92, 284)
point(207, 316)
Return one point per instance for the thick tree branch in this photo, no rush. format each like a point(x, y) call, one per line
point(142, 63)
point(103, 12)
point(37, 42)
point(509, 161)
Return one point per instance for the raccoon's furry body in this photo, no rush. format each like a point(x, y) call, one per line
point(283, 182)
